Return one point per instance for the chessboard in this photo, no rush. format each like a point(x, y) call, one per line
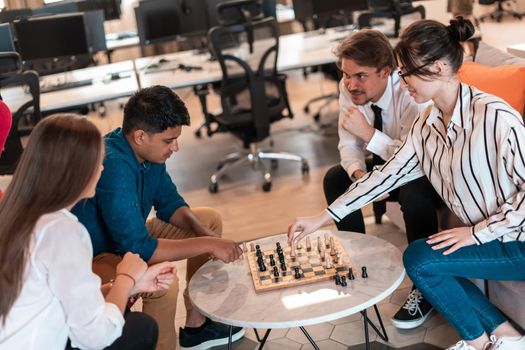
point(280, 267)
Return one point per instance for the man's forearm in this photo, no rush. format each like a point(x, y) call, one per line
point(180, 249)
point(186, 220)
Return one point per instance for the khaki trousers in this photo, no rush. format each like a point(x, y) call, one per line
point(162, 306)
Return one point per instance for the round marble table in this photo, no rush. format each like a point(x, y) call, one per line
point(225, 292)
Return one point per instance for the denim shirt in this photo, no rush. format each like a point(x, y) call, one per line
point(127, 190)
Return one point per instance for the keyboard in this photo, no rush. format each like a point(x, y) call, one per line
point(121, 35)
point(65, 86)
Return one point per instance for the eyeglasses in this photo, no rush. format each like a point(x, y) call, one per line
point(412, 71)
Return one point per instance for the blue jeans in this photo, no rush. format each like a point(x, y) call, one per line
point(443, 280)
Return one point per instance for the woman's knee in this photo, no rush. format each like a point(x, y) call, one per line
point(417, 254)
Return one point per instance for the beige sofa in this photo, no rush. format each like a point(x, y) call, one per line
point(509, 296)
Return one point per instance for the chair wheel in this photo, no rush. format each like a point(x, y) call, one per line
point(267, 186)
point(317, 117)
point(275, 164)
point(306, 109)
point(305, 169)
point(198, 134)
point(213, 187)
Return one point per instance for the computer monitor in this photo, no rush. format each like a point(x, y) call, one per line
point(50, 37)
point(320, 7)
point(6, 38)
point(192, 18)
point(157, 21)
point(96, 36)
point(57, 8)
point(7, 16)
point(112, 8)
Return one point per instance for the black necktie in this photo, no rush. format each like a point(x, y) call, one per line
point(378, 124)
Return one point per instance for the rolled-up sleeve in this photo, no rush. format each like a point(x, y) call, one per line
point(167, 199)
point(65, 256)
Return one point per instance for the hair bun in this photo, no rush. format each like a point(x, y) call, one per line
point(460, 29)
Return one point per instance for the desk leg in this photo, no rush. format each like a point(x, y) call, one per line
point(230, 338)
point(309, 338)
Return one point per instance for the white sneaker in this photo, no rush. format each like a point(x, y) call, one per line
point(461, 345)
point(509, 343)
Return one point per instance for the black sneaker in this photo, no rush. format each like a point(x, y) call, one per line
point(208, 335)
point(415, 311)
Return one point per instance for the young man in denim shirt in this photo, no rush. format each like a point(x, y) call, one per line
point(133, 181)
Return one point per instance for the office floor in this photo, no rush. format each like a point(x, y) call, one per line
point(248, 212)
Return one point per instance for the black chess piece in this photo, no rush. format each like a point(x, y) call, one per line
point(337, 278)
point(343, 281)
point(283, 266)
point(275, 271)
point(297, 273)
point(262, 267)
point(272, 260)
point(278, 245)
point(351, 274)
point(364, 274)
point(258, 247)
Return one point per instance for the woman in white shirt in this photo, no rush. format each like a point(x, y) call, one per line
point(49, 292)
point(471, 146)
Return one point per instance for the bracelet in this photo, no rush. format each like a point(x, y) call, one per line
point(127, 275)
point(111, 281)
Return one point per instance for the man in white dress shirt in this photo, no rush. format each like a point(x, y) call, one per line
point(375, 116)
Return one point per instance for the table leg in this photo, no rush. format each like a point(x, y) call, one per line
point(230, 338)
point(382, 334)
point(366, 321)
point(263, 340)
point(309, 338)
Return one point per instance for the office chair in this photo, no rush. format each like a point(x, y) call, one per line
point(389, 9)
point(229, 13)
point(253, 96)
point(499, 12)
point(11, 76)
point(310, 21)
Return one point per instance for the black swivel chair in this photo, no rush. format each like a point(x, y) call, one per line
point(253, 96)
point(499, 12)
point(12, 77)
point(393, 9)
point(310, 21)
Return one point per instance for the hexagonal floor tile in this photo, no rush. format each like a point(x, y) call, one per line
point(326, 345)
point(351, 333)
point(443, 336)
point(243, 344)
point(318, 332)
point(399, 296)
point(387, 311)
point(274, 333)
point(281, 344)
point(347, 319)
point(403, 337)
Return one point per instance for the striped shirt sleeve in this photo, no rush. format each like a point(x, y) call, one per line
point(401, 168)
point(510, 215)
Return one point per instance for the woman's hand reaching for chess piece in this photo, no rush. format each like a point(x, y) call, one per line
point(306, 225)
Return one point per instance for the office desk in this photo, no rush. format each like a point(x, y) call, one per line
point(296, 51)
point(113, 42)
point(102, 89)
point(517, 50)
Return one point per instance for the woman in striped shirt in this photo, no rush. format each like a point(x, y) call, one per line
point(471, 146)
